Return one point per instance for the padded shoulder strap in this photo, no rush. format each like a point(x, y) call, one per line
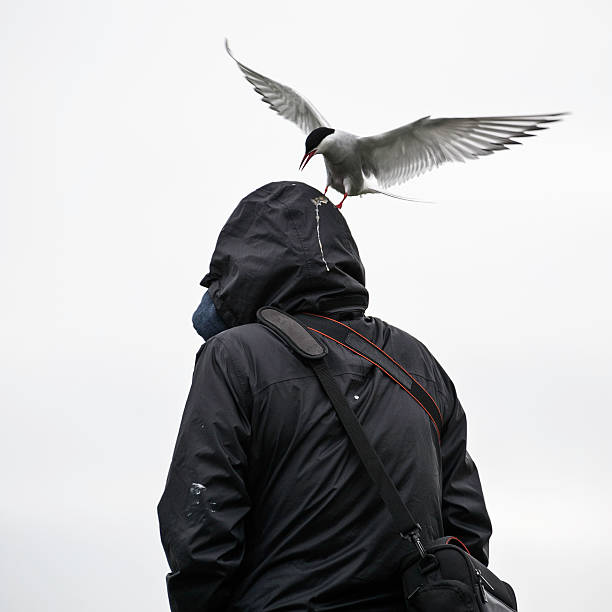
point(292, 332)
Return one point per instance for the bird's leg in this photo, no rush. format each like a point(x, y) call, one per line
point(339, 206)
point(326, 188)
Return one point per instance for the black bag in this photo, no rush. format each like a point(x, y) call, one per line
point(447, 578)
point(440, 576)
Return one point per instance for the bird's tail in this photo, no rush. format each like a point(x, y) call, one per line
point(393, 195)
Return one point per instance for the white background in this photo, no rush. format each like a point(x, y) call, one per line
point(127, 136)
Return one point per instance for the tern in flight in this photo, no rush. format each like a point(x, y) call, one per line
point(395, 156)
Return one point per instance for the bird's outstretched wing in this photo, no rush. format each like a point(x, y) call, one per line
point(287, 102)
point(401, 154)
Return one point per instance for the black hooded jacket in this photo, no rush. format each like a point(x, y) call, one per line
point(267, 507)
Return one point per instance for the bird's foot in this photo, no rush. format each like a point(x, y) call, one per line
point(339, 206)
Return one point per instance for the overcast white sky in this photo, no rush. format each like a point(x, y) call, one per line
point(127, 136)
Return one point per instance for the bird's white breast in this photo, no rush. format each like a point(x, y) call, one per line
point(339, 146)
point(343, 162)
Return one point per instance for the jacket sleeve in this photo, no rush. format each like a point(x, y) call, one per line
point(463, 507)
point(202, 510)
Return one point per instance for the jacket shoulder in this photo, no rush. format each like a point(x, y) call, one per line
point(259, 356)
point(412, 354)
point(251, 336)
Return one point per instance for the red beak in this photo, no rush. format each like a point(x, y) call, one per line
point(307, 158)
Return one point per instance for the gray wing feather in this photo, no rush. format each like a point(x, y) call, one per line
point(401, 154)
point(287, 102)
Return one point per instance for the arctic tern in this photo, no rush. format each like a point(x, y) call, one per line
point(395, 156)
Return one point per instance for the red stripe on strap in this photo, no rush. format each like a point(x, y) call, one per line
point(383, 370)
point(389, 356)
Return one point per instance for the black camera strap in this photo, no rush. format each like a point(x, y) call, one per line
point(293, 333)
point(353, 341)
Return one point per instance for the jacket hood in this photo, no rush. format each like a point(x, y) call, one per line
point(269, 254)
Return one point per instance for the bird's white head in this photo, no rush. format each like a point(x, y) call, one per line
point(314, 143)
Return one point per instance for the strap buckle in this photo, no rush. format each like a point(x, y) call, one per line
point(415, 537)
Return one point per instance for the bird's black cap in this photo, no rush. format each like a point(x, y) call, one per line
point(316, 136)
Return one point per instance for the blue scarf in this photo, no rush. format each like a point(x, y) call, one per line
point(206, 320)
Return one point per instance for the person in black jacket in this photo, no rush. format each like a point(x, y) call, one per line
point(267, 506)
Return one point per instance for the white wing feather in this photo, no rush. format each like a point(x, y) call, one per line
point(401, 154)
point(287, 102)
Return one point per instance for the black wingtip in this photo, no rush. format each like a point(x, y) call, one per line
point(559, 117)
